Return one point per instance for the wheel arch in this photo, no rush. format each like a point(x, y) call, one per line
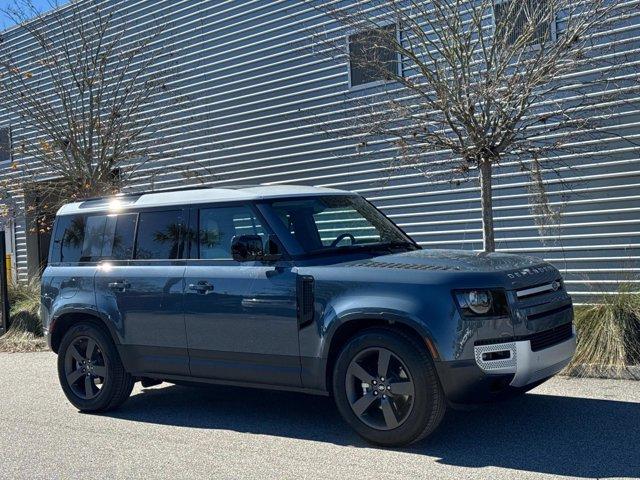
point(65, 320)
point(354, 323)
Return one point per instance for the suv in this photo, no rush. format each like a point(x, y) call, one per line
point(297, 288)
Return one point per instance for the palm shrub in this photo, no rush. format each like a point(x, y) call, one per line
point(608, 333)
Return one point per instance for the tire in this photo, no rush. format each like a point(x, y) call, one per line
point(418, 403)
point(96, 385)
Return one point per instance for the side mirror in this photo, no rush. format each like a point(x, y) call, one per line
point(247, 248)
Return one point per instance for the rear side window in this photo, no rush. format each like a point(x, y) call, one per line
point(159, 235)
point(219, 225)
point(91, 238)
point(94, 240)
point(69, 239)
point(122, 231)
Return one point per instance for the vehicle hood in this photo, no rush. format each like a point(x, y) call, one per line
point(453, 260)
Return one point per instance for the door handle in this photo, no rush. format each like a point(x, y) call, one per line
point(202, 287)
point(120, 286)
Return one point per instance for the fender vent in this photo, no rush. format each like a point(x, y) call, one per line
point(305, 299)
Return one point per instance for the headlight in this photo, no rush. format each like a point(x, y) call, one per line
point(482, 303)
point(479, 301)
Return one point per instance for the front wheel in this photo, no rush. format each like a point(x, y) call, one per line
point(386, 387)
point(90, 371)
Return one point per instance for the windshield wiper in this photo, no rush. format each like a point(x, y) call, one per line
point(390, 247)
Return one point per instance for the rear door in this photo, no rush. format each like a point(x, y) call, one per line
point(241, 318)
point(141, 286)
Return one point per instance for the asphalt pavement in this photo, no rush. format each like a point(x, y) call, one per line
point(572, 428)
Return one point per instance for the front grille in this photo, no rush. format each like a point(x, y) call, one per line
point(537, 290)
point(548, 338)
point(547, 313)
point(539, 340)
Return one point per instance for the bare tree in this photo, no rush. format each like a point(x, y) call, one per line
point(478, 82)
point(78, 85)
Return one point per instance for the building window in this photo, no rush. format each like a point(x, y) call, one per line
point(517, 17)
point(371, 56)
point(5, 144)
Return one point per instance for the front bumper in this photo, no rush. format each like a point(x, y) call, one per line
point(526, 365)
point(480, 380)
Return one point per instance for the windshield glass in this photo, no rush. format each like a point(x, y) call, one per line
point(326, 223)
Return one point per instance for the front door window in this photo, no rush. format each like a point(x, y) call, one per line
point(218, 227)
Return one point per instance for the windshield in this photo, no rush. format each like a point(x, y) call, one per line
point(326, 223)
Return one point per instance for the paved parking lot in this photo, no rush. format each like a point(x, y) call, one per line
point(567, 427)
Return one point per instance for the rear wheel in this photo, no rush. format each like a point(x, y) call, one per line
point(90, 371)
point(386, 387)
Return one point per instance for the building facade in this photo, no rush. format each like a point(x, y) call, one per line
point(257, 98)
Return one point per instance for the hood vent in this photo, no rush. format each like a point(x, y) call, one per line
point(404, 266)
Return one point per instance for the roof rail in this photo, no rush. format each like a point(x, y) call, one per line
point(168, 190)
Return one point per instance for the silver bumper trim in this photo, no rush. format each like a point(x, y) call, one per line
point(526, 365)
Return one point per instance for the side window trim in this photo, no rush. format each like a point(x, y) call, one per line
point(135, 235)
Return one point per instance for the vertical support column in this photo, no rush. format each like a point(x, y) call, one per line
point(4, 290)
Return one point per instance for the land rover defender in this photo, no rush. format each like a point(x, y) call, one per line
point(300, 288)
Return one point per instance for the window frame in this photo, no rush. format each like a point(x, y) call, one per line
point(9, 160)
point(534, 46)
point(375, 83)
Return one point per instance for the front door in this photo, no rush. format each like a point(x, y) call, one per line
point(144, 293)
point(241, 318)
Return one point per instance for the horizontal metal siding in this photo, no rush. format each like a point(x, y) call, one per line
point(257, 101)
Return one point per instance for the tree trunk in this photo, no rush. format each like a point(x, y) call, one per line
point(486, 202)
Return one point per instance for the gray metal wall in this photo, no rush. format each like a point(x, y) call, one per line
point(256, 100)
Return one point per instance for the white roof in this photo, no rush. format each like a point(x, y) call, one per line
point(195, 196)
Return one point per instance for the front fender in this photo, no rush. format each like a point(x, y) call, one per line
point(384, 314)
point(429, 311)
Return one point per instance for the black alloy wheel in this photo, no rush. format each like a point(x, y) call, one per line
point(90, 371)
point(379, 388)
point(85, 367)
point(386, 387)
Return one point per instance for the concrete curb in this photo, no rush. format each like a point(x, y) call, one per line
point(631, 372)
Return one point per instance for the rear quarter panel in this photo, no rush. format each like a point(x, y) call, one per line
point(66, 289)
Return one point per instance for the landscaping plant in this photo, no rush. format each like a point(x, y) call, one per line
point(608, 334)
point(25, 333)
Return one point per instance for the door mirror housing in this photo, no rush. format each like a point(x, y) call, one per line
point(247, 248)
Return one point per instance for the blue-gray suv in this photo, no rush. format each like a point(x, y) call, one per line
point(297, 288)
